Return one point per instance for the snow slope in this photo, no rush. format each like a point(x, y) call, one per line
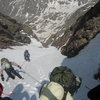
point(43, 60)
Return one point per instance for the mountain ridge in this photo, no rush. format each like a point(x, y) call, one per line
point(84, 30)
point(10, 32)
point(45, 17)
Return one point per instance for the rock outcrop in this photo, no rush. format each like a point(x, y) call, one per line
point(45, 17)
point(84, 30)
point(10, 32)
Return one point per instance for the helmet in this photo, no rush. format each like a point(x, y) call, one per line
point(26, 50)
point(4, 60)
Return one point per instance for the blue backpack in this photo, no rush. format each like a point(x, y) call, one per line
point(26, 53)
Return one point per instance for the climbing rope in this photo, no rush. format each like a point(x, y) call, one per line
point(23, 63)
point(31, 76)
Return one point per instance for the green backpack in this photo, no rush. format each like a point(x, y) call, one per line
point(65, 77)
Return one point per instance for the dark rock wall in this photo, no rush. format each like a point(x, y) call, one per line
point(85, 29)
point(10, 32)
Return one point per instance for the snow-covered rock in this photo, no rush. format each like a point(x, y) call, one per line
point(45, 17)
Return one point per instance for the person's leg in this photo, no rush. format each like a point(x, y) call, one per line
point(26, 58)
point(29, 58)
point(8, 71)
point(18, 75)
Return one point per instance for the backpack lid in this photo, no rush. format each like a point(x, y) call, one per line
point(52, 91)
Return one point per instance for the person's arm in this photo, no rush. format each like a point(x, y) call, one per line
point(1, 74)
point(13, 63)
point(1, 70)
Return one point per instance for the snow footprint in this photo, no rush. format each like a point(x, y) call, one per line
point(42, 75)
point(28, 85)
point(8, 84)
point(24, 83)
point(31, 92)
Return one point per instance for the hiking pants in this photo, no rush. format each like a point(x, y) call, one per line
point(11, 71)
point(27, 58)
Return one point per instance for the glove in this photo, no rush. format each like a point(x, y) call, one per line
point(2, 78)
point(19, 67)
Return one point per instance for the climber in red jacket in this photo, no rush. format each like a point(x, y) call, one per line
point(1, 89)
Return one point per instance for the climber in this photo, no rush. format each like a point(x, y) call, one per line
point(27, 55)
point(8, 67)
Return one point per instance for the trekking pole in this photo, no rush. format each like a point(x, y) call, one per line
point(31, 77)
point(29, 74)
point(22, 63)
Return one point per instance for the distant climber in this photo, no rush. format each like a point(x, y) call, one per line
point(27, 55)
point(1, 92)
point(8, 67)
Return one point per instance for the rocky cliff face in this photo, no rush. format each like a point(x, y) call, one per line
point(45, 17)
point(85, 29)
point(49, 21)
point(10, 32)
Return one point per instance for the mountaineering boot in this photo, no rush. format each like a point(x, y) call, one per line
point(22, 78)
